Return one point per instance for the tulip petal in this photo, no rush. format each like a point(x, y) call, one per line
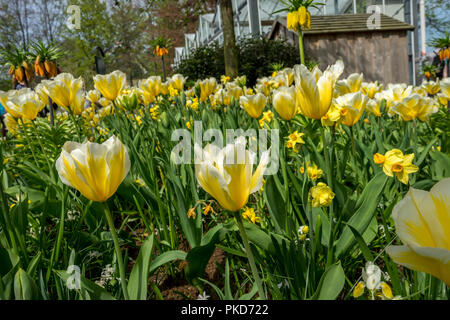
point(257, 178)
point(435, 261)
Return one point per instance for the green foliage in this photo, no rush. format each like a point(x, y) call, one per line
point(256, 57)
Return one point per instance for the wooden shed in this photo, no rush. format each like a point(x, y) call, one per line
point(381, 53)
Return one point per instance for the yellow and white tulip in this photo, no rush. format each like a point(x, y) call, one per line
point(96, 170)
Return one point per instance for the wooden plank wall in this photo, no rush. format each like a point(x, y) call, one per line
point(380, 55)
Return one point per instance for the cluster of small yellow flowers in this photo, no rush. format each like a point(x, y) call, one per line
point(172, 91)
point(138, 119)
point(267, 117)
point(295, 141)
point(192, 103)
point(190, 123)
point(394, 161)
point(154, 112)
point(250, 215)
point(103, 131)
point(88, 113)
point(321, 195)
point(303, 231)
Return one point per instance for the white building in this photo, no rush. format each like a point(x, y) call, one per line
point(257, 17)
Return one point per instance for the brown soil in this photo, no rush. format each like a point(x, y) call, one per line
point(179, 289)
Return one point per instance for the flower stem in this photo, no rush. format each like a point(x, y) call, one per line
point(300, 46)
point(330, 184)
point(117, 249)
point(352, 135)
point(77, 126)
point(251, 259)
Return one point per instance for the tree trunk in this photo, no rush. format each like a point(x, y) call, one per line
point(229, 42)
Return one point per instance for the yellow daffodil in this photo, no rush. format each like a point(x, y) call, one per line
point(254, 105)
point(431, 87)
point(96, 170)
point(295, 140)
point(227, 174)
point(267, 117)
point(379, 158)
point(191, 213)
point(394, 162)
point(314, 172)
point(110, 85)
point(250, 215)
point(24, 103)
point(321, 195)
point(315, 89)
point(284, 102)
point(422, 222)
point(194, 104)
point(207, 209)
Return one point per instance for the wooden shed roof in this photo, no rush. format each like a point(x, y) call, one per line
point(346, 23)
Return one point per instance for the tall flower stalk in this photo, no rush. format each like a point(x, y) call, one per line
point(298, 19)
point(227, 174)
point(97, 170)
